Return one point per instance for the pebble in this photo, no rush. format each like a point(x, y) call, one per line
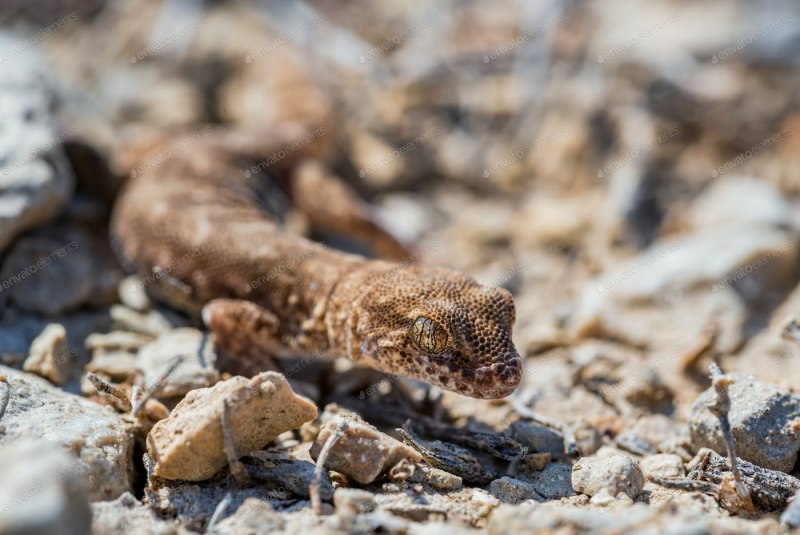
point(349, 502)
point(511, 490)
point(126, 514)
point(539, 439)
point(35, 177)
point(189, 443)
point(553, 481)
point(252, 517)
point(49, 356)
point(663, 465)
point(436, 478)
point(98, 435)
point(614, 473)
point(197, 368)
point(43, 491)
point(720, 205)
point(764, 418)
point(362, 453)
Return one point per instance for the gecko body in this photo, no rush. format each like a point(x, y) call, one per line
point(206, 238)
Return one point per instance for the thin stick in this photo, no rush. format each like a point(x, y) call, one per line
point(238, 470)
point(5, 394)
point(313, 488)
point(117, 396)
point(689, 485)
point(161, 382)
point(720, 408)
point(791, 330)
point(570, 445)
point(219, 511)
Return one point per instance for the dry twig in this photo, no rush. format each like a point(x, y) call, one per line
point(219, 511)
point(238, 470)
point(117, 397)
point(720, 408)
point(161, 382)
point(316, 481)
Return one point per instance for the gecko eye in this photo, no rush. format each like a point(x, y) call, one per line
point(429, 335)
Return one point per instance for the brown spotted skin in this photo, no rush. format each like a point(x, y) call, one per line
point(203, 235)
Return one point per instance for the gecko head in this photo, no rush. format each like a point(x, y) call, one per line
point(443, 328)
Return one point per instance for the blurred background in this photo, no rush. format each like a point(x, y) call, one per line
point(628, 170)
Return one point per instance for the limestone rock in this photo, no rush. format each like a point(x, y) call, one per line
point(363, 452)
point(189, 444)
point(612, 473)
point(99, 437)
point(764, 420)
point(43, 491)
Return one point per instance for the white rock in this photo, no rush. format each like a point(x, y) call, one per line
point(43, 490)
point(95, 433)
point(34, 188)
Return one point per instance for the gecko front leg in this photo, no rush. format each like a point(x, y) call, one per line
point(248, 334)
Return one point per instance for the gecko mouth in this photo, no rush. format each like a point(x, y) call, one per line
point(496, 380)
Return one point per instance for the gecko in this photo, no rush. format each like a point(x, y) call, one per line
point(203, 223)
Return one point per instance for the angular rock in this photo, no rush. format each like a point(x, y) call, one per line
point(612, 473)
point(539, 439)
point(59, 268)
point(196, 369)
point(662, 465)
point(126, 514)
point(98, 435)
point(49, 356)
point(189, 444)
point(437, 479)
point(43, 490)
point(254, 516)
point(510, 490)
point(350, 502)
point(764, 418)
point(362, 453)
point(553, 481)
point(35, 176)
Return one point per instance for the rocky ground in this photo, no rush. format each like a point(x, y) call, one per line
point(627, 170)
